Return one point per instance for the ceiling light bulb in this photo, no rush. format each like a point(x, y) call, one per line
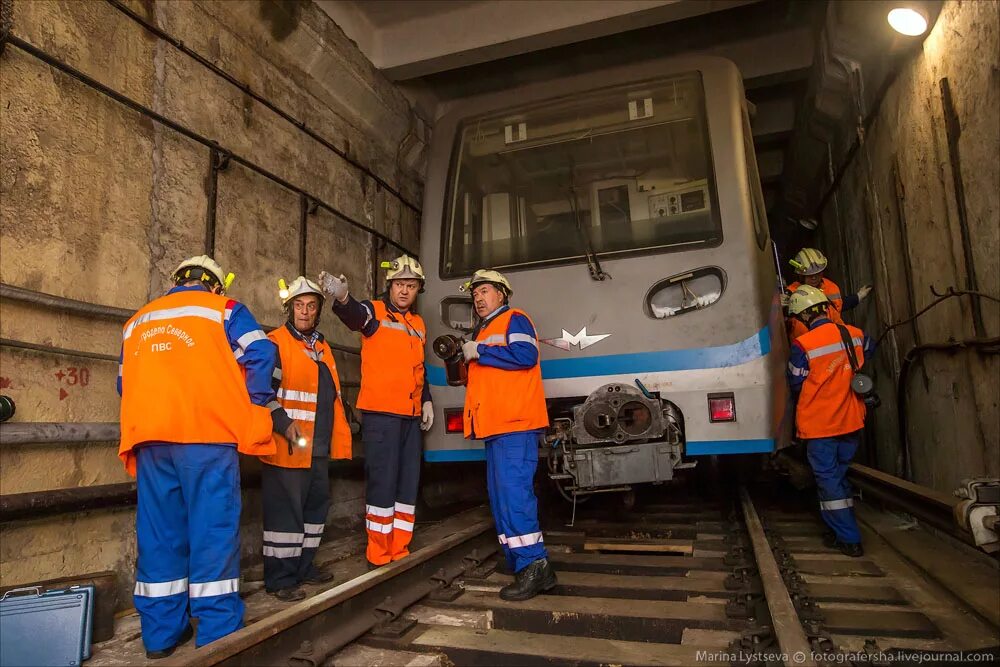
point(908, 21)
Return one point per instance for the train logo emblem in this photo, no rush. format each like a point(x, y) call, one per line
point(567, 341)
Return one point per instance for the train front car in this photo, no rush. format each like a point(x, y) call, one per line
point(626, 210)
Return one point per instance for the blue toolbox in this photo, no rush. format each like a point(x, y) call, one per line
point(50, 628)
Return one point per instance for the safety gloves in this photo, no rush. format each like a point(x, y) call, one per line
point(470, 350)
point(427, 416)
point(864, 292)
point(333, 286)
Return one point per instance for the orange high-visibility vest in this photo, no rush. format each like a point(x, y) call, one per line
point(298, 393)
point(392, 363)
point(181, 382)
point(795, 326)
point(501, 401)
point(827, 405)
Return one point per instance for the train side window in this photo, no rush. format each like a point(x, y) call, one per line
point(758, 209)
point(685, 292)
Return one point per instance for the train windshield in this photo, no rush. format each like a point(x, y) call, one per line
point(620, 170)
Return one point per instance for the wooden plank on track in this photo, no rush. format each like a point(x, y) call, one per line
point(630, 560)
point(568, 649)
point(645, 582)
point(652, 545)
point(605, 607)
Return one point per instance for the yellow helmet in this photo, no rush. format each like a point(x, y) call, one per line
point(205, 269)
point(299, 286)
point(488, 276)
point(402, 267)
point(805, 297)
point(808, 262)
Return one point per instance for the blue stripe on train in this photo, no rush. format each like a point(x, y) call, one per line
point(721, 356)
point(693, 448)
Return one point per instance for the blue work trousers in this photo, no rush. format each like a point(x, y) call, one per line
point(393, 445)
point(188, 532)
point(511, 460)
point(829, 459)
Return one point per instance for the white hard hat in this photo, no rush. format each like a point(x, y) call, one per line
point(299, 286)
point(489, 276)
point(808, 262)
point(403, 267)
point(209, 272)
point(805, 297)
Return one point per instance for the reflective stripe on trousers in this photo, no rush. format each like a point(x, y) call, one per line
point(187, 532)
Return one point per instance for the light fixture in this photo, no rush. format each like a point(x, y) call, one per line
point(908, 21)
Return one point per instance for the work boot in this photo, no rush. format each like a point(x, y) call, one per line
point(317, 576)
point(167, 652)
point(289, 594)
point(830, 539)
point(529, 582)
point(852, 550)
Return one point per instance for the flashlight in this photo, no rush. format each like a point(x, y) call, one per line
point(301, 442)
point(282, 289)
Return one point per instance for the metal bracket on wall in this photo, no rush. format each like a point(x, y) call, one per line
point(307, 207)
point(218, 160)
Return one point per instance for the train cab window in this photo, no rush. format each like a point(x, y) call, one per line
point(685, 293)
point(758, 210)
point(626, 169)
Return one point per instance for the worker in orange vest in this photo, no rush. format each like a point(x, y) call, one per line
point(194, 377)
point(829, 414)
point(394, 401)
point(310, 428)
point(505, 406)
point(810, 265)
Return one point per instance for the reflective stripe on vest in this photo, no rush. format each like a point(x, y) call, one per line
point(298, 394)
point(170, 345)
point(827, 406)
point(501, 401)
point(392, 363)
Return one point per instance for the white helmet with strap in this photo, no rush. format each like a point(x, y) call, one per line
point(403, 267)
point(808, 262)
point(299, 286)
point(205, 269)
point(805, 297)
point(488, 276)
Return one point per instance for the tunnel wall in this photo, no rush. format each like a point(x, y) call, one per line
point(898, 227)
point(99, 203)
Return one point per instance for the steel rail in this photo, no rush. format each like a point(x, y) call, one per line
point(795, 648)
point(245, 88)
point(248, 645)
point(71, 71)
point(929, 506)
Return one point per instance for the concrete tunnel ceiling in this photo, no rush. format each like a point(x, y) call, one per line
point(790, 53)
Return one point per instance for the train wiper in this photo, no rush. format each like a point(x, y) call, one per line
point(593, 264)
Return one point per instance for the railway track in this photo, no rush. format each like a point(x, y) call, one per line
point(740, 580)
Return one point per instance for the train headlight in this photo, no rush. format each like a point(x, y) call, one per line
point(454, 421)
point(721, 408)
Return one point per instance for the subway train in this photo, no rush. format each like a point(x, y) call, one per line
point(625, 208)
